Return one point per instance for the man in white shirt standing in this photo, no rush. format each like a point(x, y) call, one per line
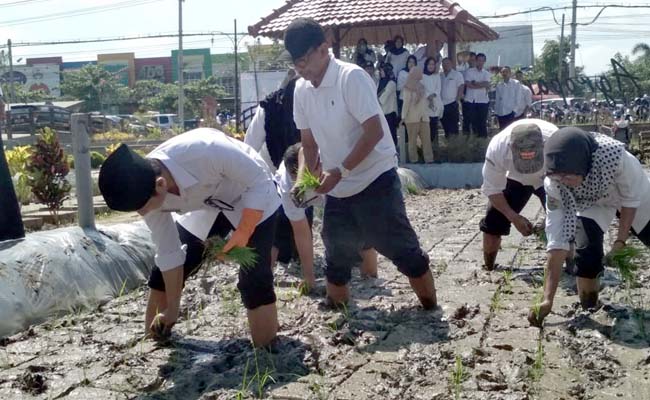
point(452, 83)
point(220, 185)
point(512, 173)
point(477, 83)
point(525, 97)
point(338, 114)
point(507, 98)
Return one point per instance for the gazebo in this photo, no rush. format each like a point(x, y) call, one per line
point(433, 22)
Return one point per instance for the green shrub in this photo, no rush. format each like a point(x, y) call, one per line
point(17, 159)
point(464, 149)
point(96, 159)
point(70, 159)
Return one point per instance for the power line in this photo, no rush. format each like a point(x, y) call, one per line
point(118, 39)
point(19, 3)
point(546, 8)
point(75, 13)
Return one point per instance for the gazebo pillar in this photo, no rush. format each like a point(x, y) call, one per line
point(336, 42)
point(451, 42)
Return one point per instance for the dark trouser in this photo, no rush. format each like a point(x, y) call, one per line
point(433, 128)
point(450, 119)
point(589, 247)
point(478, 120)
point(359, 221)
point(255, 284)
point(392, 125)
point(505, 120)
point(517, 196)
point(284, 240)
point(467, 117)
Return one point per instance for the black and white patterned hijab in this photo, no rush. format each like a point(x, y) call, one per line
point(594, 156)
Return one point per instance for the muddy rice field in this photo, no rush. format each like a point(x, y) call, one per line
point(476, 345)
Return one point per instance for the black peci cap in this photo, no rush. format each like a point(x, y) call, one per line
point(302, 35)
point(127, 180)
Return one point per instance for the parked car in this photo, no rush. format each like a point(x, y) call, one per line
point(25, 118)
point(556, 102)
point(104, 123)
point(165, 121)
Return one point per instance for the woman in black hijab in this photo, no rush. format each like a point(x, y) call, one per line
point(363, 54)
point(590, 177)
point(387, 94)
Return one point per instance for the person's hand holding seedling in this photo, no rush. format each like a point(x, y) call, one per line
point(305, 189)
point(523, 225)
point(162, 324)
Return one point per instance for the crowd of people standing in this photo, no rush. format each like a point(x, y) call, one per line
point(414, 91)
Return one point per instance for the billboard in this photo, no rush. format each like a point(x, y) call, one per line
point(121, 66)
point(197, 64)
point(155, 68)
point(43, 77)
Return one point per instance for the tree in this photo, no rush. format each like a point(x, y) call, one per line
point(25, 96)
point(195, 91)
point(547, 64)
point(94, 85)
point(643, 48)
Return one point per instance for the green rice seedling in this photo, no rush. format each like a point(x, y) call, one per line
point(122, 289)
point(541, 235)
point(308, 181)
point(537, 369)
point(458, 376)
point(262, 378)
point(623, 260)
point(245, 384)
point(495, 304)
point(507, 281)
point(244, 256)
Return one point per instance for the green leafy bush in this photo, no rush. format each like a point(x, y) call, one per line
point(47, 168)
point(96, 159)
point(17, 159)
point(464, 149)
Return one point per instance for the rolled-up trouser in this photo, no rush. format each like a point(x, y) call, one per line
point(375, 217)
point(284, 240)
point(517, 196)
point(421, 130)
point(255, 284)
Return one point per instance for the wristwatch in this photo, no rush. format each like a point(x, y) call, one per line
point(344, 171)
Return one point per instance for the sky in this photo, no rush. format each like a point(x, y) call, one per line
point(617, 30)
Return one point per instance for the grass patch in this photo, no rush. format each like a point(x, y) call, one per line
point(412, 189)
point(256, 383)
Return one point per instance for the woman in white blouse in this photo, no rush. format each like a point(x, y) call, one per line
point(432, 85)
point(387, 93)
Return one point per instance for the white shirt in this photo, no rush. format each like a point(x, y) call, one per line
point(507, 97)
point(398, 61)
point(449, 86)
point(525, 99)
point(402, 77)
point(214, 173)
point(499, 166)
point(630, 189)
point(432, 86)
point(477, 95)
point(256, 136)
point(388, 98)
point(285, 184)
point(334, 112)
point(462, 67)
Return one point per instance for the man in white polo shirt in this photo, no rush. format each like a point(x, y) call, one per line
point(219, 185)
point(477, 83)
point(525, 97)
point(512, 173)
point(452, 83)
point(338, 114)
point(507, 98)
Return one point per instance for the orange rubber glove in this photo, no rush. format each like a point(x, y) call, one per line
point(243, 233)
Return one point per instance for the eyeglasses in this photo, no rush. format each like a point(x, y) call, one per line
point(301, 62)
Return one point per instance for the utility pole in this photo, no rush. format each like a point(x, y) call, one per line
point(574, 32)
point(12, 88)
point(561, 54)
point(236, 82)
point(181, 93)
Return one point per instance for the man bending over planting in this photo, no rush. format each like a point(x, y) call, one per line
point(339, 116)
point(513, 171)
point(225, 184)
point(295, 222)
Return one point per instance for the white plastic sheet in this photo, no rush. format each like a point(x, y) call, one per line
point(55, 271)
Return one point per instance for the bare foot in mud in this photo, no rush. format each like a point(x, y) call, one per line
point(537, 314)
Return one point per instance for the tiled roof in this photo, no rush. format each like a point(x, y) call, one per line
point(370, 14)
